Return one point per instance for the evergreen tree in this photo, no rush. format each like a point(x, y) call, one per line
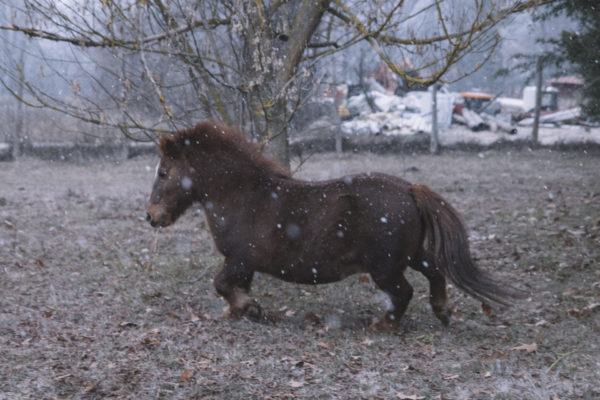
point(581, 47)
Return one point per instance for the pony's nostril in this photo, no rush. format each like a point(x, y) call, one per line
point(148, 217)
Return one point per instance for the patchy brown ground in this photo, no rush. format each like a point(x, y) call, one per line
point(94, 305)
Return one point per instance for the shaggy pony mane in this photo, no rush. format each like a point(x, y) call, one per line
point(218, 139)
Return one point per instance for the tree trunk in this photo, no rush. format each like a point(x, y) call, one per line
point(539, 67)
point(434, 146)
point(17, 139)
point(272, 60)
point(277, 133)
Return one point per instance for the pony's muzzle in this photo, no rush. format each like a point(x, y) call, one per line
point(152, 222)
point(154, 217)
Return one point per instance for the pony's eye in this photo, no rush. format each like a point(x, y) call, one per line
point(162, 174)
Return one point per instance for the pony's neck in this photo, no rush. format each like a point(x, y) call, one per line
point(228, 180)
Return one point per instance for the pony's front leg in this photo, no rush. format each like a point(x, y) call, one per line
point(233, 283)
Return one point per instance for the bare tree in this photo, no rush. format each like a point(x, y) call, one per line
point(148, 65)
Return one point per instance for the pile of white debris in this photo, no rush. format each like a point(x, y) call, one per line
point(374, 111)
point(377, 112)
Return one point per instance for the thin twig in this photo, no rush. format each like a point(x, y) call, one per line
point(302, 162)
point(153, 252)
point(559, 359)
point(60, 378)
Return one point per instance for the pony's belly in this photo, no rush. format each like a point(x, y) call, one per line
point(315, 275)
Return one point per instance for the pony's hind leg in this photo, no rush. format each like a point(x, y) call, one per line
point(438, 297)
point(233, 283)
point(400, 291)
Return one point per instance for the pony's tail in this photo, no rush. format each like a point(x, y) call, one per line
point(447, 241)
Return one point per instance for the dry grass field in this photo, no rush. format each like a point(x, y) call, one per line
point(95, 304)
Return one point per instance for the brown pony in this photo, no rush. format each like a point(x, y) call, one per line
point(264, 220)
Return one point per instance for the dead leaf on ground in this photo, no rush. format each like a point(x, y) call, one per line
point(295, 384)
point(477, 391)
point(204, 364)
point(127, 324)
point(367, 342)
point(150, 342)
point(192, 315)
point(312, 318)
point(272, 317)
point(497, 355)
point(450, 377)
point(576, 232)
point(90, 386)
point(575, 312)
point(187, 374)
point(529, 348)
point(487, 310)
point(404, 396)
point(592, 306)
point(325, 345)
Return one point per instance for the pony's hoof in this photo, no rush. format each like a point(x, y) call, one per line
point(443, 314)
point(384, 325)
point(253, 312)
point(232, 313)
point(445, 319)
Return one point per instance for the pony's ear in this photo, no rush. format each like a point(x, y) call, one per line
point(169, 147)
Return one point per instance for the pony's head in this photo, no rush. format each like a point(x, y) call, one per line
point(173, 190)
point(223, 159)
